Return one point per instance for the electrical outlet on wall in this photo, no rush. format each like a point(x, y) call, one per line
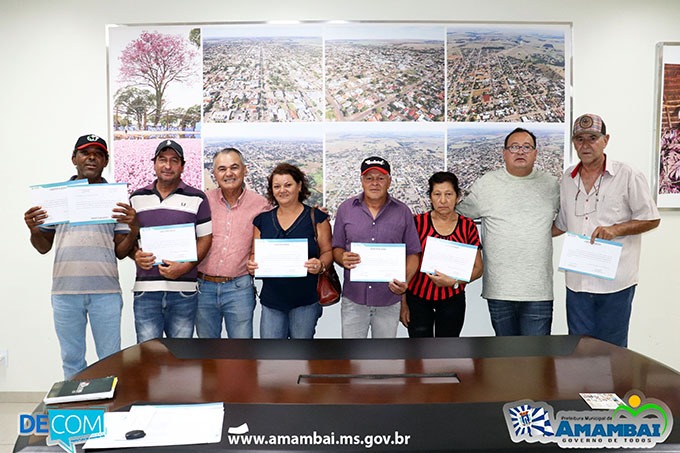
point(4, 357)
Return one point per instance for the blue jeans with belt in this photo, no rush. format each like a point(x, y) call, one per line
point(232, 301)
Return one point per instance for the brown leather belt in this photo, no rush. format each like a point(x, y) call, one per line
point(211, 278)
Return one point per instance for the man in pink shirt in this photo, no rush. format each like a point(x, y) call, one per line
point(226, 289)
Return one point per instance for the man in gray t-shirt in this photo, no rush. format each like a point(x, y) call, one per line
point(516, 205)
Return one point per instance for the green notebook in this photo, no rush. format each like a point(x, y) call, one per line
point(91, 389)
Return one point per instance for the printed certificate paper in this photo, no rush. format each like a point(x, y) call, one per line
point(94, 203)
point(280, 257)
point(53, 198)
point(170, 242)
point(600, 259)
point(450, 258)
point(379, 262)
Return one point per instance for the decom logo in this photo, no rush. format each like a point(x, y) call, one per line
point(64, 427)
point(642, 423)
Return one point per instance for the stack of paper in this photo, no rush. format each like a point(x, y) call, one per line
point(182, 424)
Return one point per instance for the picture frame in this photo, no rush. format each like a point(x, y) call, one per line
point(666, 169)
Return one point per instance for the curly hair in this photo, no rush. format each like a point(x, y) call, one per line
point(297, 175)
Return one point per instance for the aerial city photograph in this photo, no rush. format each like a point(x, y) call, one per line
point(260, 73)
point(385, 73)
point(505, 74)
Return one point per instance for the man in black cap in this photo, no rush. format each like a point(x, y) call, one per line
point(373, 216)
point(165, 295)
point(85, 274)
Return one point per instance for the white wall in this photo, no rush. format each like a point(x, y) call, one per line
point(53, 79)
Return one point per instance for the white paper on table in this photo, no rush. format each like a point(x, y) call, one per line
point(600, 259)
point(94, 203)
point(454, 259)
point(181, 424)
point(53, 198)
point(608, 401)
point(170, 242)
point(379, 262)
point(281, 257)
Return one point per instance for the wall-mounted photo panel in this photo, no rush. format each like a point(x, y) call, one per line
point(666, 177)
point(426, 96)
point(154, 95)
point(384, 72)
point(262, 73)
point(506, 73)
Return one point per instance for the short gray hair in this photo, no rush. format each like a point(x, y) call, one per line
point(227, 151)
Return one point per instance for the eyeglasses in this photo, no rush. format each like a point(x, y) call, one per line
point(514, 149)
point(585, 207)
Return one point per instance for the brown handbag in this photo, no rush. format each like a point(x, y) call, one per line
point(328, 285)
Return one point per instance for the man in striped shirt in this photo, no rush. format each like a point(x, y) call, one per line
point(165, 295)
point(85, 274)
point(603, 199)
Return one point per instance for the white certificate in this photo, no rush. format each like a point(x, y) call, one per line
point(281, 257)
point(53, 198)
point(600, 259)
point(379, 262)
point(448, 257)
point(170, 242)
point(94, 203)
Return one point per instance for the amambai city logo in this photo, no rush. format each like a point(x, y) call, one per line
point(641, 423)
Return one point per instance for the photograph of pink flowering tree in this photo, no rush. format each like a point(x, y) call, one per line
point(156, 86)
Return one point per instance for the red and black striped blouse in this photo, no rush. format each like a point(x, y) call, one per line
point(465, 232)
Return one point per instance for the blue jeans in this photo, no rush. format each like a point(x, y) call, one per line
point(299, 322)
point(233, 301)
point(172, 312)
point(510, 318)
point(71, 312)
point(357, 318)
point(602, 316)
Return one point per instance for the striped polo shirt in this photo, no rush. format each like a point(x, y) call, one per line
point(85, 257)
point(185, 205)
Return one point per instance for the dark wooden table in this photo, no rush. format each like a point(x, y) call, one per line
point(446, 393)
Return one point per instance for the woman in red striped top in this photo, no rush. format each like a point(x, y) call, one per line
point(435, 304)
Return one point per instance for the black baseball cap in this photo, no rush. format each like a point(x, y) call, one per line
point(176, 147)
point(375, 163)
point(90, 140)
